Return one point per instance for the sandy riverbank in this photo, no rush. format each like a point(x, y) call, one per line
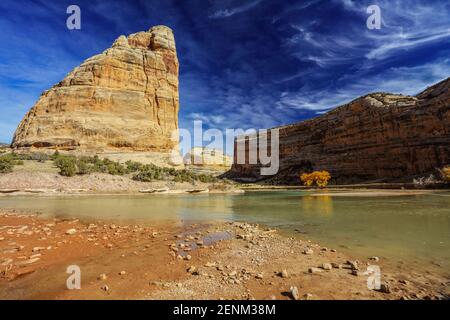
point(51, 183)
point(213, 261)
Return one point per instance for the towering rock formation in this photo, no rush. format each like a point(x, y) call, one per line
point(380, 136)
point(124, 99)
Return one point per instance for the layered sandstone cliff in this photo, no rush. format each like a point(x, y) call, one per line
point(124, 99)
point(378, 137)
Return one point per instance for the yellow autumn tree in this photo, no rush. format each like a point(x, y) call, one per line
point(446, 174)
point(320, 178)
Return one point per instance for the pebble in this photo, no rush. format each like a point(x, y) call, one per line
point(71, 231)
point(192, 269)
point(314, 270)
point(188, 257)
point(6, 262)
point(259, 276)
point(284, 274)
point(327, 266)
point(385, 288)
point(307, 296)
point(210, 264)
point(29, 261)
point(358, 273)
point(105, 288)
point(308, 252)
point(353, 264)
point(122, 273)
point(336, 265)
point(376, 259)
point(102, 277)
point(294, 293)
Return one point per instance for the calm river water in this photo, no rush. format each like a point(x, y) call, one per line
point(408, 228)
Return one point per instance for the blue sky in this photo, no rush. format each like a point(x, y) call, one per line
point(243, 63)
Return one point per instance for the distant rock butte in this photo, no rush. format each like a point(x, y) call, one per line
point(378, 137)
point(124, 99)
point(205, 157)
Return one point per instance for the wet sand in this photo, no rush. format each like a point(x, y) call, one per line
point(218, 260)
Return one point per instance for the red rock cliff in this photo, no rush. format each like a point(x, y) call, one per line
point(380, 136)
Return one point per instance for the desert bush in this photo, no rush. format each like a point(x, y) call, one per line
point(66, 165)
point(133, 166)
point(6, 165)
point(8, 161)
point(35, 156)
point(320, 178)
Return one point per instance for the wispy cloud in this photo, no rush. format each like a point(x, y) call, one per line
point(402, 80)
point(228, 12)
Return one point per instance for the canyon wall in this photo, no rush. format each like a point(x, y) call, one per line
point(378, 137)
point(122, 100)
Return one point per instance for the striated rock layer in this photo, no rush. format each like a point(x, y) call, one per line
point(378, 137)
point(124, 99)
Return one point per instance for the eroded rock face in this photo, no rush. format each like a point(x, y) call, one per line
point(379, 137)
point(124, 99)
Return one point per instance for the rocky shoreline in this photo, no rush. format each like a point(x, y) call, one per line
point(218, 260)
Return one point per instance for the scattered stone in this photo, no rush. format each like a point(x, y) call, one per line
point(210, 264)
point(405, 282)
point(385, 288)
point(314, 270)
point(376, 259)
point(188, 257)
point(29, 261)
point(37, 249)
point(122, 273)
point(71, 232)
point(307, 296)
point(192, 269)
point(105, 288)
point(327, 266)
point(259, 276)
point(336, 265)
point(6, 262)
point(294, 293)
point(308, 251)
point(102, 277)
point(358, 273)
point(353, 264)
point(333, 250)
point(284, 273)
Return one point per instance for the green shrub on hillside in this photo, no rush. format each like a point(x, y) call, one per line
point(70, 166)
point(6, 165)
point(8, 161)
point(67, 166)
